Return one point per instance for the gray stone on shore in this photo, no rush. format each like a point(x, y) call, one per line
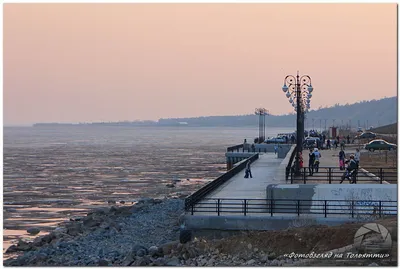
point(76, 218)
point(103, 262)
point(33, 231)
point(173, 262)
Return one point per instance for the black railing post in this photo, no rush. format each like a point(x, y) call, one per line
point(330, 176)
point(218, 206)
point(380, 209)
point(245, 206)
point(381, 174)
point(298, 207)
point(291, 176)
point(271, 206)
point(326, 208)
point(192, 208)
point(352, 208)
point(304, 175)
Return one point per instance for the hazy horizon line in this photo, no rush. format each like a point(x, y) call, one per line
point(155, 121)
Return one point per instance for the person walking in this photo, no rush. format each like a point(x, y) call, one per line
point(348, 139)
point(357, 157)
point(311, 159)
point(328, 144)
point(342, 156)
point(342, 145)
point(248, 170)
point(276, 149)
point(317, 156)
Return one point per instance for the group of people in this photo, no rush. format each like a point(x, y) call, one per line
point(352, 166)
point(350, 171)
point(336, 142)
point(313, 161)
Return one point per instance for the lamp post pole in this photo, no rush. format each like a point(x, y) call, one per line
point(297, 88)
point(261, 112)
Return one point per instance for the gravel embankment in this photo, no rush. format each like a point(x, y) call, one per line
point(106, 236)
point(147, 234)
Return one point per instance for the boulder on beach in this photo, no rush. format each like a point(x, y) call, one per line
point(170, 185)
point(33, 231)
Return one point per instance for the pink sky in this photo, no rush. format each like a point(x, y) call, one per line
point(111, 62)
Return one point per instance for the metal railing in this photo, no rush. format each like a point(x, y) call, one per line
point(334, 175)
point(235, 148)
point(205, 190)
point(289, 165)
point(271, 207)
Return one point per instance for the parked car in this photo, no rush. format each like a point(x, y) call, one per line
point(275, 140)
point(366, 135)
point(312, 142)
point(380, 144)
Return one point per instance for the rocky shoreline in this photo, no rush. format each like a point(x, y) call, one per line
point(105, 236)
point(147, 233)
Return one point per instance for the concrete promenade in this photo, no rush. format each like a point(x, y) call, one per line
point(225, 207)
point(263, 171)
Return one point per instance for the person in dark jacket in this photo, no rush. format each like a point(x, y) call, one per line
point(248, 170)
point(311, 159)
point(328, 144)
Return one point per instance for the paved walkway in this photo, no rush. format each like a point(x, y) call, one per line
point(263, 171)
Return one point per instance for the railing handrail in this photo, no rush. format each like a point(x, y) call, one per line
point(364, 167)
point(291, 200)
point(383, 175)
point(296, 206)
point(211, 186)
point(233, 148)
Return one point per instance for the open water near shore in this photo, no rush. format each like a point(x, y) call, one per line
point(54, 173)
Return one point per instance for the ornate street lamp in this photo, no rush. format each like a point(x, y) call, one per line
point(298, 89)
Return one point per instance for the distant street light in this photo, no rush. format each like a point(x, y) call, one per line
point(261, 112)
point(300, 89)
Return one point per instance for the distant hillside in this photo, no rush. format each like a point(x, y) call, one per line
point(364, 114)
point(387, 129)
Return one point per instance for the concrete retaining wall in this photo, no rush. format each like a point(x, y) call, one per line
point(261, 223)
point(360, 193)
